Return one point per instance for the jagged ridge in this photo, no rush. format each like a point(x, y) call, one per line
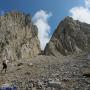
point(71, 36)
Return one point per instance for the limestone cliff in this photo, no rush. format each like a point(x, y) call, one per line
point(71, 36)
point(18, 36)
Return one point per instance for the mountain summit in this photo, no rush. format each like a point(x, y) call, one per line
point(71, 36)
point(18, 36)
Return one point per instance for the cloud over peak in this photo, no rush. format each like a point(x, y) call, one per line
point(87, 3)
point(81, 13)
point(40, 19)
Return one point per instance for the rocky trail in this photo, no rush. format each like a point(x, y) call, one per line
point(47, 72)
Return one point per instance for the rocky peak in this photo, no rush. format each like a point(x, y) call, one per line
point(17, 18)
point(18, 36)
point(71, 36)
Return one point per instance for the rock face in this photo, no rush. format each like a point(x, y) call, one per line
point(70, 37)
point(18, 39)
point(18, 36)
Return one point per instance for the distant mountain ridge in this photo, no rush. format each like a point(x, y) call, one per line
point(74, 39)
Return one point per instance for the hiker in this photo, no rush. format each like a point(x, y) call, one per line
point(4, 64)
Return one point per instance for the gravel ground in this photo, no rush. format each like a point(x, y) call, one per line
point(47, 72)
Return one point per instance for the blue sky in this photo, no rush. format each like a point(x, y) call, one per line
point(55, 11)
point(59, 8)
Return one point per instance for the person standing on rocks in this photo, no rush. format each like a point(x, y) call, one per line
point(4, 64)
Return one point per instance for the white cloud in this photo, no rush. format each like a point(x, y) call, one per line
point(87, 3)
point(40, 19)
point(81, 13)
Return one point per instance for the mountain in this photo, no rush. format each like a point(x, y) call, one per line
point(70, 37)
point(18, 36)
point(65, 64)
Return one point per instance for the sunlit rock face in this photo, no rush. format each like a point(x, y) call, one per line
point(70, 37)
point(18, 36)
